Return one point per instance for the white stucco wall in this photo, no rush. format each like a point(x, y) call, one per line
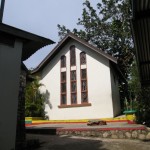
point(10, 60)
point(99, 86)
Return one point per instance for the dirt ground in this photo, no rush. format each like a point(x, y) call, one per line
point(54, 142)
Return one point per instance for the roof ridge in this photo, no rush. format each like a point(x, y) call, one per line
point(62, 42)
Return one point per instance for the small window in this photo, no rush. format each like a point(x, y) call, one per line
point(63, 76)
point(84, 88)
point(83, 85)
point(83, 58)
point(63, 88)
point(73, 87)
point(83, 73)
point(84, 98)
point(73, 98)
point(63, 99)
point(63, 61)
point(72, 56)
point(73, 75)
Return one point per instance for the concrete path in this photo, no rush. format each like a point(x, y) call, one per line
point(84, 125)
point(54, 142)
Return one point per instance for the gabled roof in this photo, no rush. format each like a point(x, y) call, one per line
point(62, 43)
point(31, 42)
point(141, 36)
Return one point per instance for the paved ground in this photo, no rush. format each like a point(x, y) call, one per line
point(54, 142)
point(84, 125)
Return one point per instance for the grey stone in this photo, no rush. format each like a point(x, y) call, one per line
point(120, 134)
point(88, 133)
point(70, 132)
point(139, 131)
point(92, 133)
point(83, 133)
point(114, 136)
point(148, 136)
point(128, 135)
point(142, 136)
point(148, 129)
point(99, 134)
point(113, 132)
point(66, 132)
point(144, 132)
point(134, 134)
point(61, 132)
point(106, 134)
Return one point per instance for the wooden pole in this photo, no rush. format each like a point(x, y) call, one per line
point(2, 10)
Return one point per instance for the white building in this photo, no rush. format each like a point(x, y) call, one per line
point(81, 81)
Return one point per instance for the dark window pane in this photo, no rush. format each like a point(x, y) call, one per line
point(84, 97)
point(83, 58)
point(63, 99)
point(83, 85)
point(73, 98)
point(63, 76)
point(63, 87)
point(63, 61)
point(83, 73)
point(73, 75)
point(72, 56)
point(73, 86)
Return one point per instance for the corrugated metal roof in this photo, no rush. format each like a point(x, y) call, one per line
point(141, 35)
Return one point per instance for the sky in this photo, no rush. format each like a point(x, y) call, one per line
point(41, 17)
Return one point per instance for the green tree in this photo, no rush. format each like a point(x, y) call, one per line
point(134, 81)
point(108, 28)
point(34, 99)
point(139, 96)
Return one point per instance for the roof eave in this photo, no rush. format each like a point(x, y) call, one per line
point(31, 42)
point(62, 43)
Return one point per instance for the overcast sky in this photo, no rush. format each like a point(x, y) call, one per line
point(41, 17)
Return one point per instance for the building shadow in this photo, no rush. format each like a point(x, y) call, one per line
point(51, 142)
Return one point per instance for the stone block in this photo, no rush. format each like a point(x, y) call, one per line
point(148, 129)
point(128, 135)
point(148, 136)
point(106, 134)
point(134, 134)
point(114, 136)
point(142, 136)
point(121, 135)
point(144, 132)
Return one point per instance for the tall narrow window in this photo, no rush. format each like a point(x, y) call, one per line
point(83, 58)
point(63, 61)
point(84, 98)
point(84, 89)
point(73, 87)
point(63, 88)
point(72, 56)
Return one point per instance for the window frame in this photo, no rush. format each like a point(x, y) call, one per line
point(63, 93)
point(72, 55)
point(61, 59)
point(83, 79)
point(81, 58)
point(73, 81)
